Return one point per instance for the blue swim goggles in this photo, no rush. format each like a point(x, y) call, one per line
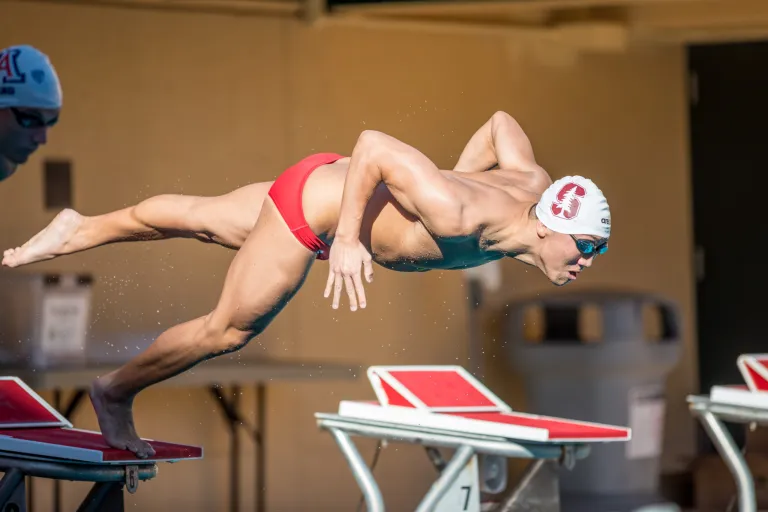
point(30, 120)
point(590, 248)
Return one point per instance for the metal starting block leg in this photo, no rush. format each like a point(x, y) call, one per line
point(733, 459)
point(447, 478)
point(105, 495)
point(13, 492)
point(439, 490)
point(373, 499)
point(537, 491)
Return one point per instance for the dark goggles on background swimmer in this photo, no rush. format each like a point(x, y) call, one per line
point(590, 247)
point(31, 120)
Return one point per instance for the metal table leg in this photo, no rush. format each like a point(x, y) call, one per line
point(373, 500)
point(104, 496)
point(261, 459)
point(733, 459)
point(234, 452)
point(447, 477)
point(232, 415)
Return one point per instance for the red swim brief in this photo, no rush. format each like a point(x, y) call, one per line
point(286, 193)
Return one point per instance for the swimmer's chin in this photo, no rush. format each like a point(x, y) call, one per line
point(7, 168)
point(561, 280)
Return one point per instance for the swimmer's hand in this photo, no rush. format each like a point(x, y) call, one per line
point(345, 259)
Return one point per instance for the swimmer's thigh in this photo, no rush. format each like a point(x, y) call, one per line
point(264, 276)
point(229, 218)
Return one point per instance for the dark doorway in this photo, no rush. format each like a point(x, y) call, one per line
point(728, 115)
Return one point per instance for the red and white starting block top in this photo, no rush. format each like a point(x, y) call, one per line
point(31, 428)
point(451, 400)
point(754, 392)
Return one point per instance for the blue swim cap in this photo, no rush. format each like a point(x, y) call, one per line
point(27, 79)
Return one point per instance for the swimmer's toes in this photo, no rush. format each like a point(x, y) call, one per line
point(146, 450)
point(133, 446)
point(9, 260)
point(140, 448)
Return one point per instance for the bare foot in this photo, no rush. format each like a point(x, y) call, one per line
point(50, 242)
point(116, 422)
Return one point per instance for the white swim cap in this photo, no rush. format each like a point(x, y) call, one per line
point(27, 79)
point(574, 205)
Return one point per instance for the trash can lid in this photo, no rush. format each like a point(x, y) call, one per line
point(594, 295)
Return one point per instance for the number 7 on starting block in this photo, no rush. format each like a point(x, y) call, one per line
point(464, 493)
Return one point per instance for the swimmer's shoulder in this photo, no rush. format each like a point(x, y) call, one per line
point(528, 183)
point(516, 184)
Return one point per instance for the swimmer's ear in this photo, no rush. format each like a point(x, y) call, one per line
point(541, 229)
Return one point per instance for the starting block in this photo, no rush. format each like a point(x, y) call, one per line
point(745, 403)
point(446, 407)
point(37, 441)
point(754, 391)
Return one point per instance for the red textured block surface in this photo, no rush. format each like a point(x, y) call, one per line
point(760, 383)
point(442, 389)
point(558, 429)
point(19, 406)
point(94, 441)
point(395, 398)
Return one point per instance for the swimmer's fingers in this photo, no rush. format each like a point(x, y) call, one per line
point(368, 268)
point(350, 285)
point(329, 284)
point(338, 283)
point(345, 271)
point(358, 281)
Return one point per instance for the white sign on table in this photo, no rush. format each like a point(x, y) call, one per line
point(646, 419)
point(63, 326)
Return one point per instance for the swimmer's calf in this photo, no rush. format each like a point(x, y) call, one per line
point(159, 217)
point(71, 232)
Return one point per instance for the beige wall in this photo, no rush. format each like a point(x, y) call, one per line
point(172, 102)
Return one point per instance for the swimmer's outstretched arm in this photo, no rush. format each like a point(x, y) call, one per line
point(500, 141)
point(444, 205)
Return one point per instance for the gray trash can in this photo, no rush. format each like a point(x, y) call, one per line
point(595, 356)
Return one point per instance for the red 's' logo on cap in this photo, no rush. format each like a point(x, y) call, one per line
point(567, 201)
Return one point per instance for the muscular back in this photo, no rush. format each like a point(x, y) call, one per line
point(399, 240)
